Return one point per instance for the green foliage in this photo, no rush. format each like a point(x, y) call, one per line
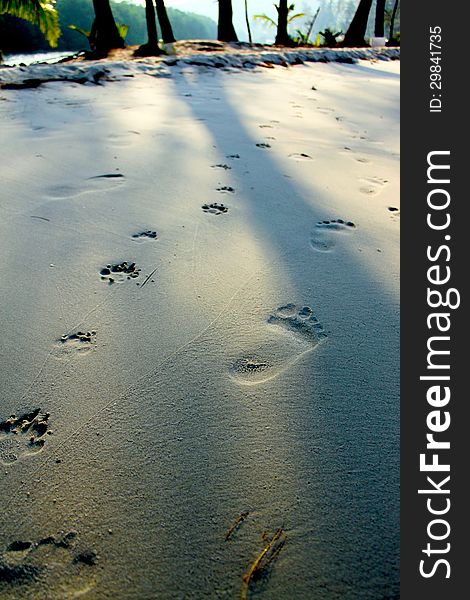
point(265, 19)
point(121, 27)
point(81, 31)
point(330, 38)
point(38, 12)
point(18, 36)
point(272, 23)
point(303, 37)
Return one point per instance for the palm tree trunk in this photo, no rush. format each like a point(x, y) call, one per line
point(165, 25)
point(151, 48)
point(392, 20)
point(250, 39)
point(152, 33)
point(226, 31)
point(357, 29)
point(107, 34)
point(379, 18)
point(282, 37)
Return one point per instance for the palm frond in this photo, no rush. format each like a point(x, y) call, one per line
point(264, 18)
point(297, 16)
point(37, 12)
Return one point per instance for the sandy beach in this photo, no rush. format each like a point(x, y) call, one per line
point(200, 335)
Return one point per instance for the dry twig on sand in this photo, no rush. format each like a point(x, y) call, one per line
point(269, 553)
point(148, 277)
point(237, 524)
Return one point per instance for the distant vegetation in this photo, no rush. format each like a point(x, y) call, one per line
point(17, 35)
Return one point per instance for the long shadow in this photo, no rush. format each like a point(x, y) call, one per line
point(358, 406)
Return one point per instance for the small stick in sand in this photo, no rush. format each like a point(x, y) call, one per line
point(148, 277)
point(237, 524)
point(269, 553)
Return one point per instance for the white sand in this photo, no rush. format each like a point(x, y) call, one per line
point(197, 400)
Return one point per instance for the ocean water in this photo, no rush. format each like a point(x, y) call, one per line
point(11, 60)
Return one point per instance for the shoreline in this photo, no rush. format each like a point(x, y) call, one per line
point(121, 64)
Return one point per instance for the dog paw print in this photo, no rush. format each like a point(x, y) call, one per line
point(214, 208)
point(119, 272)
point(79, 341)
point(23, 436)
point(149, 235)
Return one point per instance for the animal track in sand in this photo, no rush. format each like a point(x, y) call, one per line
point(306, 331)
point(263, 145)
point(372, 185)
point(23, 436)
point(323, 237)
point(222, 166)
point(24, 562)
point(214, 208)
point(77, 342)
point(97, 183)
point(119, 272)
point(226, 189)
point(233, 156)
point(145, 235)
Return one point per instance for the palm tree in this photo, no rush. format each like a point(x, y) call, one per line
point(226, 30)
point(38, 12)
point(392, 22)
point(250, 39)
point(379, 18)
point(151, 48)
point(284, 17)
point(105, 32)
point(165, 25)
point(282, 36)
point(357, 29)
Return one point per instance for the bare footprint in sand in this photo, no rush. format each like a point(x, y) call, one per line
point(354, 156)
point(97, 183)
point(323, 238)
point(78, 342)
point(23, 436)
point(372, 185)
point(122, 140)
point(299, 321)
point(300, 156)
point(300, 332)
point(51, 567)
